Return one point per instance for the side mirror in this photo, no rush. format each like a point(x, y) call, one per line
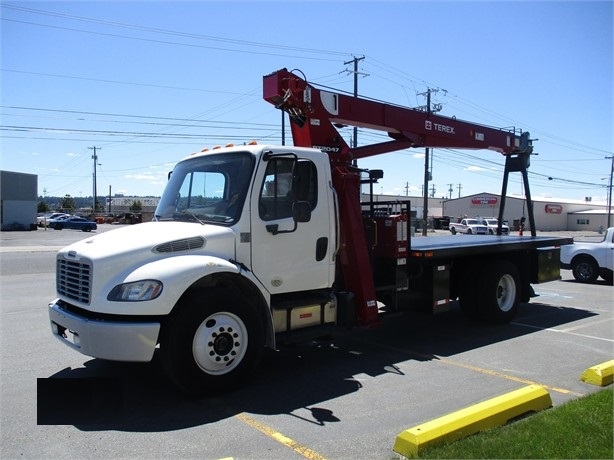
point(301, 211)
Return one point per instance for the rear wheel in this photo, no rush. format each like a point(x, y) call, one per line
point(453, 231)
point(212, 342)
point(499, 297)
point(585, 269)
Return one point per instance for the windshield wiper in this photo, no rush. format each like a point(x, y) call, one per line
point(191, 214)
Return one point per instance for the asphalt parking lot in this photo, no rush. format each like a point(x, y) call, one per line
point(347, 397)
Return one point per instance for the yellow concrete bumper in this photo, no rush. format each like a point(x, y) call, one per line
point(601, 374)
point(479, 417)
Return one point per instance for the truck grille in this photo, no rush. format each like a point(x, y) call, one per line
point(73, 279)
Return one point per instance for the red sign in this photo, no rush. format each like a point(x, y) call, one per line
point(554, 209)
point(484, 200)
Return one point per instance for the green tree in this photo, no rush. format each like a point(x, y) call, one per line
point(68, 203)
point(42, 207)
point(136, 206)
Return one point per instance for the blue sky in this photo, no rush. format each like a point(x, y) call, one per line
point(149, 82)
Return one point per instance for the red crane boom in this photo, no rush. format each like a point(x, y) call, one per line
point(315, 115)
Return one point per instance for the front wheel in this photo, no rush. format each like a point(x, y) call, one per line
point(499, 297)
point(453, 231)
point(585, 270)
point(212, 342)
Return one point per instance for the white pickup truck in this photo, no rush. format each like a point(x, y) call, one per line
point(492, 223)
point(469, 226)
point(589, 260)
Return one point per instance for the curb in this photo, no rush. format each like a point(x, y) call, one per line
point(479, 417)
point(601, 374)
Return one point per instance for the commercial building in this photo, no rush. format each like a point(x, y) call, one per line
point(551, 214)
point(18, 195)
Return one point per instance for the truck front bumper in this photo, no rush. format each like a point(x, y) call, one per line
point(112, 340)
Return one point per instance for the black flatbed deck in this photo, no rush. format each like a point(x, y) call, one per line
point(450, 246)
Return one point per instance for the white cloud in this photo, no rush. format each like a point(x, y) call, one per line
point(475, 169)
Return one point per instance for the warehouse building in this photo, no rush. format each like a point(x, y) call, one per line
point(18, 195)
point(551, 214)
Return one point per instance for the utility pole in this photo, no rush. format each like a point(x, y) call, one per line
point(460, 187)
point(355, 72)
point(450, 190)
point(427, 173)
point(283, 127)
point(95, 158)
point(610, 189)
point(433, 191)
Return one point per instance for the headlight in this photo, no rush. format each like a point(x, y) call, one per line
point(135, 292)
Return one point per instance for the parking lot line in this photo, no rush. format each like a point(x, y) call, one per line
point(568, 330)
point(277, 436)
point(473, 368)
point(507, 376)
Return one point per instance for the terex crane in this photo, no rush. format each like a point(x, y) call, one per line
point(253, 246)
point(315, 115)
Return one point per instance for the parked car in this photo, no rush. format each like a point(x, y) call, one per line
point(588, 260)
point(73, 222)
point(45, 218)
point(468, 226)
point(492, 223)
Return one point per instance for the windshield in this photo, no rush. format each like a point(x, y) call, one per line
point(207, 189)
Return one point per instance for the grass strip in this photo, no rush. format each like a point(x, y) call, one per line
point(579, 429)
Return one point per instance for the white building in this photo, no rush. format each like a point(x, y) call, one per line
point(551, 214)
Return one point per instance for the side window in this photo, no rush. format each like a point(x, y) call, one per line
point(287, 180)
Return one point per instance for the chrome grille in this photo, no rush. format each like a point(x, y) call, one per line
point(73, 279)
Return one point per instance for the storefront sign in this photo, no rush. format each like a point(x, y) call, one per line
point(554, 209)
point(484, 200)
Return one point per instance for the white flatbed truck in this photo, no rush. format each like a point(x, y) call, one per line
point(253, 246)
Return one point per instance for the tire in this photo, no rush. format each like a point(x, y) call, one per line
point(469, 232)
point(87, 229)
point(212, 342)
point(59, 227)
point(500, 290)
point(453, 231)
point(585, 269)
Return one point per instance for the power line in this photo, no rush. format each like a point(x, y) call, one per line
point(173, 32)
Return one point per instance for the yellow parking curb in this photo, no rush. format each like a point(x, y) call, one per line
point(479, 417)
point(601, 374)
